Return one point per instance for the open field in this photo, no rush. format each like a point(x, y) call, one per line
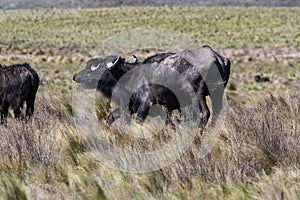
point(27, 4)
point(256, 157)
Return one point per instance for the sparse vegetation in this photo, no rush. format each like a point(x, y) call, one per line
point(257, 155)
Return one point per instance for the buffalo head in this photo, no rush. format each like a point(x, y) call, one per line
point(102, 74)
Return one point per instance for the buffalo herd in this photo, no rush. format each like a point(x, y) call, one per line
point(204, 70)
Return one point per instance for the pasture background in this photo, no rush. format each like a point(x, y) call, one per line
point(26, 4)
point(257, 156)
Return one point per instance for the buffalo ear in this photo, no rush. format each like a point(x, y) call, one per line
point(109, 65)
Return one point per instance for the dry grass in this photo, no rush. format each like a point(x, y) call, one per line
point(257, 146)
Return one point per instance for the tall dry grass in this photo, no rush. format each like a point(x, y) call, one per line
point(36, 141)
point(254, 139)
point(255, 142)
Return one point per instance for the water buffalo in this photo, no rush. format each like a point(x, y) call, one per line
point(19, 84)
point(200, 67)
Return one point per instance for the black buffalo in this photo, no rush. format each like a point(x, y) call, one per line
point(204, 69)
point(19, 83)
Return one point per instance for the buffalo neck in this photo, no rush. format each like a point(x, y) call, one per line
point(123, 69)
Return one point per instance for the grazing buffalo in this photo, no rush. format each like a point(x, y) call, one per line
point(260, 79)
point(203, 69)
point(19, 84)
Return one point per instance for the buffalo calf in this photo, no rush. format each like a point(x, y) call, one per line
point(18, 84)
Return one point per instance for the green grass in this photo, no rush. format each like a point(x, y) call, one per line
point(219, 27)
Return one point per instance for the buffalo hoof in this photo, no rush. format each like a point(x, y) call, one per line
point(110, 119)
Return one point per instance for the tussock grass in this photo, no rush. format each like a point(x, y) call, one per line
point(36, 141)
point(42, 152)
point(12, 189)
point(257, 147)
point(272, 126)
point(256, 142)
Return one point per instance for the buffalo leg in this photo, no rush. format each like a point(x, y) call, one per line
point(16, 106)
point(4, 112)
point(216, 91)
point(204, 114)
point(143, 111)
point(115, 114)
point(217, 104)
point(29, 107)
point(17, 112)
point(30, 102)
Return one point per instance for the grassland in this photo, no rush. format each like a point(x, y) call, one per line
point(257, 155)
point(221, 27)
